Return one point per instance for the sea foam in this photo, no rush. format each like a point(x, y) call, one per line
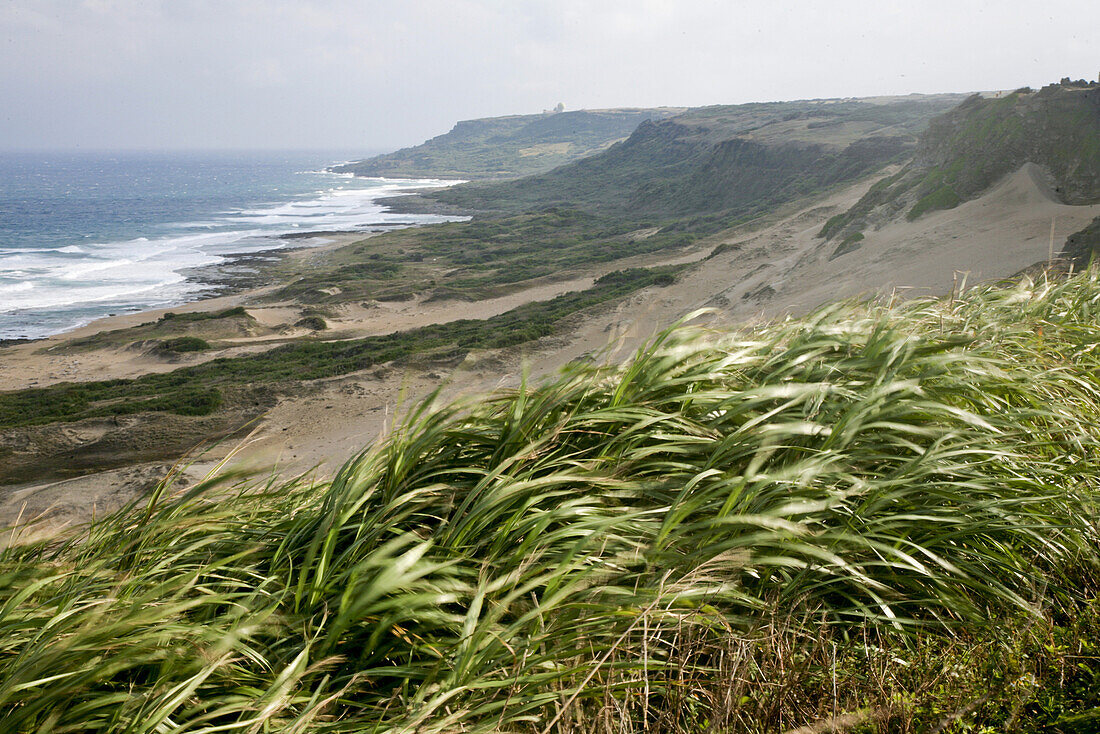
point(45, 290)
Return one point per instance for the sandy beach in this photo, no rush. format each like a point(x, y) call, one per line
point(765, 271)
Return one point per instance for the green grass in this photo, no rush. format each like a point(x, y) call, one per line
point(482, 258)
point(888, 512)
point(198, 390)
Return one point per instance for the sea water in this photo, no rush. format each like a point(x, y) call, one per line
point(88, 234)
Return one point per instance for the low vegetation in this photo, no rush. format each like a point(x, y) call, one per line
point(516, 145)
point(881, 517)
point(198, 389)
point(851, 243)
point(184, 344)
point(172, 332)
point(312, 322)
point(192, 316)
point(482, 258)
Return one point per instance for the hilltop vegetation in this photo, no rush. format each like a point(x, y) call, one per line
point(964, 152)
point(507, 147)
point(733, 160)
point(885, 516)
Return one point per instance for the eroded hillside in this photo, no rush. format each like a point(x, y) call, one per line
point(967, 151)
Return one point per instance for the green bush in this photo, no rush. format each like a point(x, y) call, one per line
point(236, 311)
point(943, 197)
point(316, 323)
point(183, 344)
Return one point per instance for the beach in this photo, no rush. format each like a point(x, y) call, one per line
point(89, 234)
point(758, 272)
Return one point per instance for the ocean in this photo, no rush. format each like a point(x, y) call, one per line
point(88, 234)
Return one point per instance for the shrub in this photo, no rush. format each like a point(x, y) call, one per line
point(316, 323)
point(236, 311)
point(943, 197)
point(183, 344)
point(851, 243)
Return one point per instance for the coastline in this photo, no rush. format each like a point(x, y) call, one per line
point(240, 279)
point(323, 422)
point(172, 232)
point(28, 363)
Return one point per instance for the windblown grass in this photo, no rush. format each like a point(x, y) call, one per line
point(860, 517)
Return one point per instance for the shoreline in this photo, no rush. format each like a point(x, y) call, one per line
point(189, 265)
point(762, 271)
point(232, 288)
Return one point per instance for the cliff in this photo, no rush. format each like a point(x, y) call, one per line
point(507, 147)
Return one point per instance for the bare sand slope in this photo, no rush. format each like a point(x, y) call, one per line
point(986, 239)
point(786, 268)
point(776, 269)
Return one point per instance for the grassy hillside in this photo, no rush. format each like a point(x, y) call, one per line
point(734, 160)
point(880, 516)
point(506, 147)
point(968, 150)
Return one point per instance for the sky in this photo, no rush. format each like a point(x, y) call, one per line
point(374, 75)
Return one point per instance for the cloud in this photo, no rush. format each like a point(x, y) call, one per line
point(263, 72)
point(202, 73)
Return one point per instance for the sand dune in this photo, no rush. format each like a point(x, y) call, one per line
point(782, 268)
point(762, 273)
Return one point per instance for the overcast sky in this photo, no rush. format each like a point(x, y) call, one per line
point(372, 75)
